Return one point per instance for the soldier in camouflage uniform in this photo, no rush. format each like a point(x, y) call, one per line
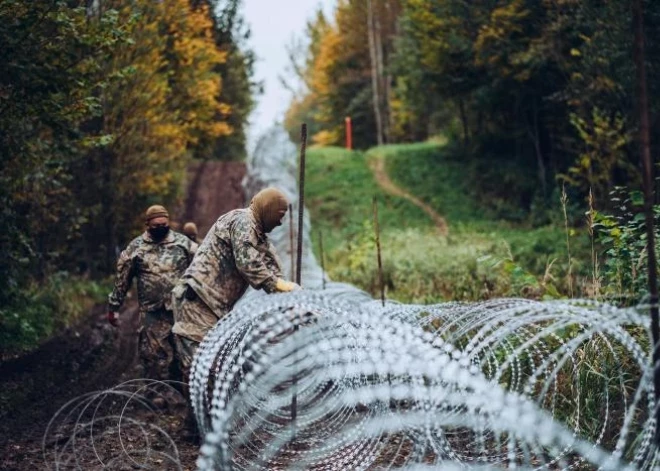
point(234, 254)
point(157, 258)
point(190, 231)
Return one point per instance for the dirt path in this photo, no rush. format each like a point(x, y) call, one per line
point(92, 355)
point(377, 165)
point(89, 356)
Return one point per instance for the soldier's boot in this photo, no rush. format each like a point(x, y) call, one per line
point(189, 431)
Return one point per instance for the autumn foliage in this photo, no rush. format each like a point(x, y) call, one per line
point(532, 93)
point(102, 106)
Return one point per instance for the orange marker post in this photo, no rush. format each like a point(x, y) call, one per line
point(349, 133)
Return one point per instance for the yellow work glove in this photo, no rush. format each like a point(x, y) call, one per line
point(284, 286)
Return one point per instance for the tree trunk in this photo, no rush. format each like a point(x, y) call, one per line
point(93, 8)
point(535, 134)
point(464, 122)
point(107, 203)
point(383, 94)
point(645, 144)
point(375, 82)
point(388, 96)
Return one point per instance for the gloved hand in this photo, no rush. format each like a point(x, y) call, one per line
point(113, 318)
point(283, 286)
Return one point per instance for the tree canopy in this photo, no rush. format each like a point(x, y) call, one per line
point(540, 89)
point(102, 106)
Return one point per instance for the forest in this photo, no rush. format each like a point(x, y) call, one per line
point(515, 121)
point(478, 272)
point(102, 106)
point(533, 109)
point(532, 91)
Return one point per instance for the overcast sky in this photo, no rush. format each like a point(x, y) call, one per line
point(274, 23)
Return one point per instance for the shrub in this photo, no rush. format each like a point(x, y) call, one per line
point(37, 313)
point(622, 236)
point(421, 267)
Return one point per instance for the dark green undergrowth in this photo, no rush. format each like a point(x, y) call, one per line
point(44, 309)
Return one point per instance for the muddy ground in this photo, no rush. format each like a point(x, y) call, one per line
point(93, 356)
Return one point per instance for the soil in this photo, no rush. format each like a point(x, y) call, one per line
point(94, 356)
point(213, 189)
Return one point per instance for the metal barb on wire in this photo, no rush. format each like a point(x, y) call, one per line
point(645, 145)
point(378, 251)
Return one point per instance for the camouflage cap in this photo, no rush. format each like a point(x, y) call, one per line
point(156, 211)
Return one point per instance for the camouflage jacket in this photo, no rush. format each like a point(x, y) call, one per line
point(157, 266)
point(234, 254)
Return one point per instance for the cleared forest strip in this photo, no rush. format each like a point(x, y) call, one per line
point(213, 188)
point(92, 355)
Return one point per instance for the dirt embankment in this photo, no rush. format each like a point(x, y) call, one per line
point(213, 189)
point(92, 355)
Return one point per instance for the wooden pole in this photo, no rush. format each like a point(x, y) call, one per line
point(322, 257)
point(375, 81)
point(301, 200)
point(301, 208)
point(378, 251)
point(645, 145)
point(292, 275)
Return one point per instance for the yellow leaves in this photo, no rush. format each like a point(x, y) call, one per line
point(325, 138)
point(168, 106)
point(330, 47)
point(218, 128)
point(586, 39)
point(604, 84)
point(401, 115)
point(493, 46)
point(194, 59)
point(605, 138)
point(224, 109)
point(153, 183)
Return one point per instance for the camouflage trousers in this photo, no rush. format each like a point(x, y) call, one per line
point(185, 352)
point(188, 305)
point(156, 345)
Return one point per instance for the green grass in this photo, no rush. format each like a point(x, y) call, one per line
point(339, 192)
point(431, 173)
point(420, 267)
point(437, 174)
point(481, 258)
